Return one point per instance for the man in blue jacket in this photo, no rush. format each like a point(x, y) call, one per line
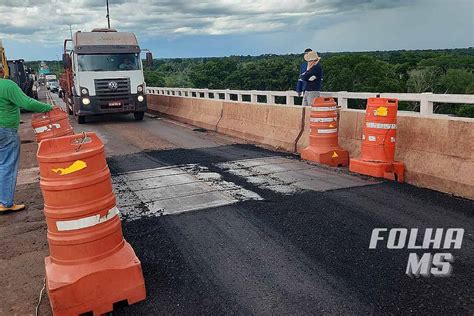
point(313, 77)
point(301, 85)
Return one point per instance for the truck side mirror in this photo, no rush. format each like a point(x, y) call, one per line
point(149, 59)
point(66, 61)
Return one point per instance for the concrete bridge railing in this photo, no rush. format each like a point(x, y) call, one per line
point(426, 100)
point(437, 150)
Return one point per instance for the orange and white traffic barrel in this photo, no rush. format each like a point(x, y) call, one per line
point(377, 157)
point(54, 123)
point(90, 266)
point(323, 139)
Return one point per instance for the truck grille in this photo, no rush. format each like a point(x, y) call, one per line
point(104, 92)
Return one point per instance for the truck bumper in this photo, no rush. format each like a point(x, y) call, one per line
point(98, 106)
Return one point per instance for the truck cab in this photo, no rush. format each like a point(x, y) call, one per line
point(104, 74)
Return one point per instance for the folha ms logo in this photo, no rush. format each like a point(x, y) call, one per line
point(438, 264)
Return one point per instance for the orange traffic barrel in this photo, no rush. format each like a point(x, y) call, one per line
point(377, 157)
point(90, 266)
point(323, 143)
point(54, 123)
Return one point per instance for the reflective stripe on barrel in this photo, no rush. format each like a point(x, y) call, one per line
point(327, 131)
point(323, 108)
point(46, 128)
point(322, 119)
point(86, 221)
point(381, 125)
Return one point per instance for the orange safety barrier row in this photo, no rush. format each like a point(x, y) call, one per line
point(378, 142)
point(323, 143)
point(54, 123)
point(90, 266)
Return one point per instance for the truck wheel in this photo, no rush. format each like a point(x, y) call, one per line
point(139, 116)
point(81, 119)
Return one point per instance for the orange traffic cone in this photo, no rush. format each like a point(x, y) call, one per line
point(90, 266)
point(323, 144)
point(378, 142)
point(54, 123)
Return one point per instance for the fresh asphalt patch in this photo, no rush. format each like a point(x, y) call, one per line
point(297, 251)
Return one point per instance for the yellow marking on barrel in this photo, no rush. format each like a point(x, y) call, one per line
point(334, 155)
point(381, 111)
point(76, 166)
point(332, 125)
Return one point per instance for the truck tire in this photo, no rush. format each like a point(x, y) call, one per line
point(139, 116)
point(81, 119)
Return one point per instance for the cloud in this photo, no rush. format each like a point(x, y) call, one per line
point(47, 21)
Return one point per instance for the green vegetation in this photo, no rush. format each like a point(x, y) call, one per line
point(438, 71)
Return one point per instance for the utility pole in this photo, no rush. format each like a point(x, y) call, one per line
point(108, 15)
point(70, 29)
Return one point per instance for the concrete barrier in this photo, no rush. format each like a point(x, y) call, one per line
point(274, 125)
point(303, 140)
point(198, 112)
point(158, 103)
point(438, 152)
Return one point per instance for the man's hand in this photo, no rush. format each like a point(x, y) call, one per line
point(299, 93)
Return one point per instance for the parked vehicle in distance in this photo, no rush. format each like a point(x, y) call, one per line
point(53, 86)
point(103, 74)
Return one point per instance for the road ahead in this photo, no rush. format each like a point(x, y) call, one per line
point(221, 226)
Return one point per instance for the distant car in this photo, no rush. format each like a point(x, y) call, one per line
point(53, 86)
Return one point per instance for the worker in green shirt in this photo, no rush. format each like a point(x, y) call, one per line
point(11, 99)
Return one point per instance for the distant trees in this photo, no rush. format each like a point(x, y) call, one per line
point(423, 80)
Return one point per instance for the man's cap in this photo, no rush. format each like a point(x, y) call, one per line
point(310, 56)
point(307, 50)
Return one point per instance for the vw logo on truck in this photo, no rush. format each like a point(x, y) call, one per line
point(103, 74)
point(113, 85)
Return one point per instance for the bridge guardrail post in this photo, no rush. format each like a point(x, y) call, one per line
point(342, 99)
point(426, 106)
point(253, 96)
point(290, 100)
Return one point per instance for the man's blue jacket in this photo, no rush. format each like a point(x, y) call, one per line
point(301, 85)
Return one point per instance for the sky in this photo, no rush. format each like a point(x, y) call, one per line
point(36, 29)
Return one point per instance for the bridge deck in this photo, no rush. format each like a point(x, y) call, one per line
point(226, 227)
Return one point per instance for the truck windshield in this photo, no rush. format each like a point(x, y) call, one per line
point(108, 62)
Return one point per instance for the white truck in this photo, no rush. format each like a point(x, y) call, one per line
point(103, 74)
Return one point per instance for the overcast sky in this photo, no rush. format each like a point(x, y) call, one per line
point(35, 29)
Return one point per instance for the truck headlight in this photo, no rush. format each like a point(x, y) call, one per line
point(140, 88)
point(140, 98)
point(86, 101)
point(84, 91)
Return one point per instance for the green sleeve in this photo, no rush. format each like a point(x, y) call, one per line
point(20, 99)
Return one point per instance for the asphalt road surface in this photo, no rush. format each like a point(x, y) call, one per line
point(224, 227)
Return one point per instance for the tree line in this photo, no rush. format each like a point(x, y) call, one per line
point(448, 71)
